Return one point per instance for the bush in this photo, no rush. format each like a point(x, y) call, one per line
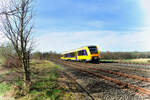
point(46, 55)
point(37, 55)
point(12, 62)
point(8, 56)
point(6, 50)
point(148, 61)
point(124, 55)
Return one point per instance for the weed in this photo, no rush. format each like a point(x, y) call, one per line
point(45, 84)
point(4, 87)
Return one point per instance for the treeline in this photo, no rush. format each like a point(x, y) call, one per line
point(8, 55)
point(46, 55)
point(104, 55)
point(124, 55)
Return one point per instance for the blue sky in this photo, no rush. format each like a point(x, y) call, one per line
point(79, 15)
point(113, 25)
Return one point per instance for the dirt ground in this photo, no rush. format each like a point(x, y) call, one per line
point(8, 75)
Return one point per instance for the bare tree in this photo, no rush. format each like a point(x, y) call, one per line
point(16, 17)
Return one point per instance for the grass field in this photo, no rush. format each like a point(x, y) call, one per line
point(44, 83)
point(140, 61)
point(1, 61)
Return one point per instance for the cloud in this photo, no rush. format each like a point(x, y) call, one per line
point(106, 40)
point(94, 14)
point(85, 23)
point(145, 6)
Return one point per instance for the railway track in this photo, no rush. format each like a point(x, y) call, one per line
point(84, 68)
point(131, 66)
point(138, 64)
point(135, 83)
point(118, 73)
point(118, 66)
point(117, 82)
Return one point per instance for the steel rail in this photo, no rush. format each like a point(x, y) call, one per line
point(119, 73)
point(117, 82)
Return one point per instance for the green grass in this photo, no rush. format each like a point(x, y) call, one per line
point(4, 87)
point(2, 60)
point(107, 61)
point(45, 85)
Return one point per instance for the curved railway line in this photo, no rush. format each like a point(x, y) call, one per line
point(127, 66)
point(133, 63)
point(117, 82)
point(135, 83)
point(116, 73)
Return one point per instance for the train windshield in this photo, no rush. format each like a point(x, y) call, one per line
point(93, 49)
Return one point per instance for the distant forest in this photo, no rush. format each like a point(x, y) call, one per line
point(7, 50)
point(124, 55)
point(104, 55)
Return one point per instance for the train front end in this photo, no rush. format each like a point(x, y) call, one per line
point(94, 53)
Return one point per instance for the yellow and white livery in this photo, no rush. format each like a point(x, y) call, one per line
point(87, 53)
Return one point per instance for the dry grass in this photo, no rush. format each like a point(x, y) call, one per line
point(45, 85)
point(145, 61)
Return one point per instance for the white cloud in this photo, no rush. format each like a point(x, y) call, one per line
point(106, 40)
point(145, 5)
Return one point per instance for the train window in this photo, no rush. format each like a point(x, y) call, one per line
point(79, 53)
point(84, 52)
point(93, 49)
point(69, 55)
point(72, 54)
point(65, 55)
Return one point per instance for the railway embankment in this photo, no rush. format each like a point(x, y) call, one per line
point(108, 81)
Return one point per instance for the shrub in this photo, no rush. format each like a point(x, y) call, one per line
point(12, 62)
point(148, 61)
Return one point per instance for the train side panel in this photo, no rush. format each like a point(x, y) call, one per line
point(83, 54)
point(88, 53)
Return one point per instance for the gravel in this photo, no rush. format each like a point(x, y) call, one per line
point(104, 90)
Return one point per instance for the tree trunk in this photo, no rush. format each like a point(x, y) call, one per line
point(27, 80)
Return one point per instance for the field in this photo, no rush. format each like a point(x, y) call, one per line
point(44, 81)
point(142, 61)
point(1, 62)
point(49, 82)
point(56, 81)
point(139, 61)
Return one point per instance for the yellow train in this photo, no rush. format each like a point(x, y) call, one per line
point(87, 53)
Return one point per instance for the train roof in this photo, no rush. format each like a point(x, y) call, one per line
point(78, 49)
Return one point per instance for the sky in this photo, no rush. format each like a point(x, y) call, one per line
point(112, 25)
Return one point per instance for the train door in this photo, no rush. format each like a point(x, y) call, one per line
point(76, 54)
